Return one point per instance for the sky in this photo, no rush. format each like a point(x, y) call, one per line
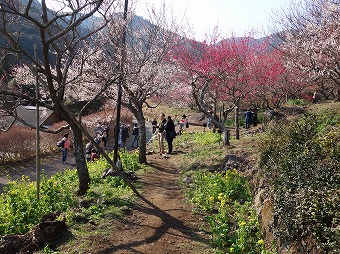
point(233, 17)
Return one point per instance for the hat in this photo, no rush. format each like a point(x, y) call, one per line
point(184, 116)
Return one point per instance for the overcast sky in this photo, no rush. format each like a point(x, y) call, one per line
point(231, 16)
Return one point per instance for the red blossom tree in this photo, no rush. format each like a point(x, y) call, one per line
point(236, 71)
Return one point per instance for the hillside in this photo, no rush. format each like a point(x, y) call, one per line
point(197, 200)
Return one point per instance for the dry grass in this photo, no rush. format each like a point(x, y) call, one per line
point(19, 143)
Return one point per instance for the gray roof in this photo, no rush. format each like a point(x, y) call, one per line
point(29, 115)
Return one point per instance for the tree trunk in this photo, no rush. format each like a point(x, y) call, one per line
point(225, 133)
point(226, 137)
point(83, 174)
point(142, 139)
point(237, 122)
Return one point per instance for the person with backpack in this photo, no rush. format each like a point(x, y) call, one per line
point(135, 132)
point(65, 147)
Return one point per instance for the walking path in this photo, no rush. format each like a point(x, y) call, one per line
point(51, 164)
point(163, 224)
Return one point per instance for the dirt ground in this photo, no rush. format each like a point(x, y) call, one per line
point(162, 223)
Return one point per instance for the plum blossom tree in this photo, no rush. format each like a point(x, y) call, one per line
point(217, 72)
point(238, 71)
point(60, 38)
point(272, 81)
point(311, 43)
point(146, 71)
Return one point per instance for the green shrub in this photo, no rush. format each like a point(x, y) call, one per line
point(302, 161)
point(206, 138)
point(297, 102)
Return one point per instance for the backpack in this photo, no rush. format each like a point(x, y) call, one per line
point(61, 143)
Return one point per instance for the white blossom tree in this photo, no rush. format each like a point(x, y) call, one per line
point(146, 71)
point(60, 36)
point(312, 43)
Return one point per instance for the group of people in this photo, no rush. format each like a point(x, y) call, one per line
point(102, 134)
point(250, 118)
point(124, 130)
point(166, 130)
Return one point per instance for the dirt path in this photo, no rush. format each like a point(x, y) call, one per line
point(165, 225)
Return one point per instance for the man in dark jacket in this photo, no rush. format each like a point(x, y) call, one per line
point(249, 118)
point(170, 133)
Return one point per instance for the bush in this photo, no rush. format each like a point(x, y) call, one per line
point(302, 161)
point(297, 102)
point(17, 144)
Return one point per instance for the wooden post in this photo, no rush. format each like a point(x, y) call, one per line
point(37, 148)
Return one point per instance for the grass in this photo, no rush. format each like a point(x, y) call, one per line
point(103, 202)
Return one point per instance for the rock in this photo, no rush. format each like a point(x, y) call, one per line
point(41, 235)
point(187, 180)
point(126, 210)
point(230, 162)
point(150, 152)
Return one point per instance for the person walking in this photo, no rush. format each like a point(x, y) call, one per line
point(66, 145)
point(170, 133)
point(135, 133)
point(248, 118)
point(154, 125)
point(211, 112)
point(88, 149)
point(183, 123)
point(161, 133)
point(124, 134)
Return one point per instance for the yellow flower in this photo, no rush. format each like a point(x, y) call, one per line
point(260, 242)
point(231, 250)
point(211, 198)
point(243, 223)
point(220, 196)
point(222, 203)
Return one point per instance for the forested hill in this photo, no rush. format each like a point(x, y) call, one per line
point(30, 35)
